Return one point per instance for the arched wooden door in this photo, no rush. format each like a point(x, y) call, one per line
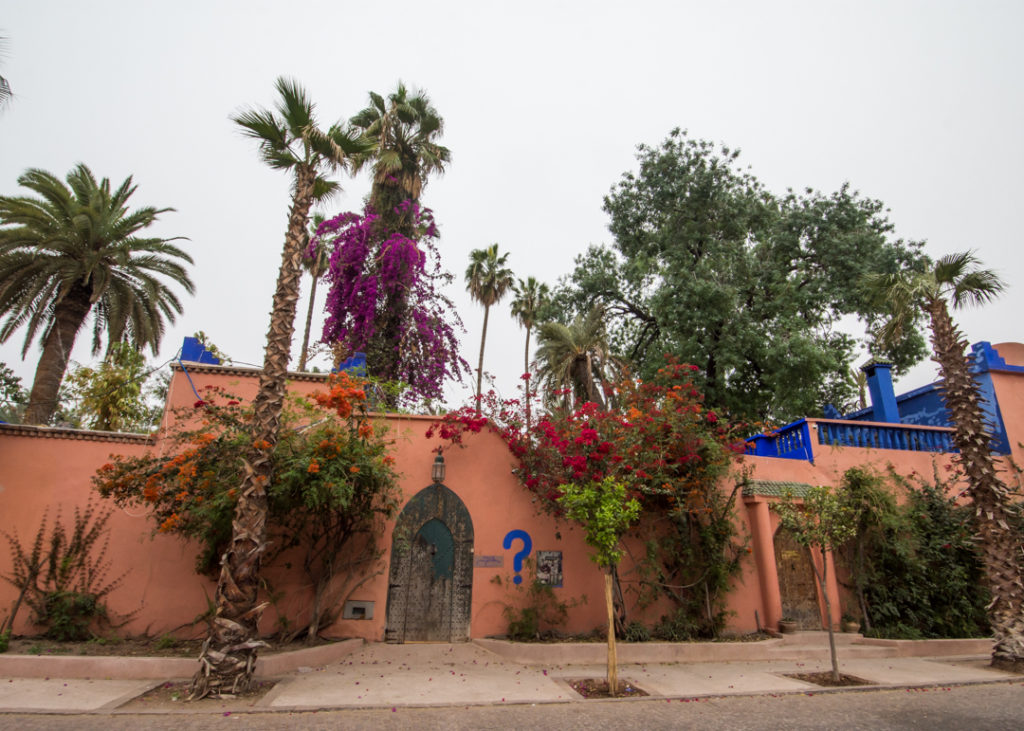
point(797, 585)
point(430, 586)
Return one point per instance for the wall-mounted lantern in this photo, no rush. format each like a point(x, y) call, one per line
point(437, 470)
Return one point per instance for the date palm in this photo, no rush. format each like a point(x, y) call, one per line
point(957, 280)
point(488, 281)
point(74, 251)
point(289, 139)
point(402, 130)
point(530, 296)
point(576, 358)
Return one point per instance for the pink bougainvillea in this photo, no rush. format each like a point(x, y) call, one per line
point(385, 300)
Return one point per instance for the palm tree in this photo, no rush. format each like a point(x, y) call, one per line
point(72, 252)
point(956, 279)
point(402, 130)
point(576, 358)
point(316, 262)
point(488, 280)
point(530, 296)
point(289, 139)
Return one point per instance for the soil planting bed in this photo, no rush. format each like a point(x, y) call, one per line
point(595, 688)
point(825, 679)
point(172, 696)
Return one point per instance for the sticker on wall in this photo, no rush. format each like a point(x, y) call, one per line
point(549, 568)
point(488, 562)
point(517, 559)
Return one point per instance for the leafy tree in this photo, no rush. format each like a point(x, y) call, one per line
point(824, 522)
point(316, 262)
point(530, 297)
point(289, 139)
point(956, 279)
point(402, 130)
point(111, 397)
point(605, 513)
point(576, 360)
point(73, 251)
point(416, 344)
point(488, 281)
point(710, 267)
point(12, 395)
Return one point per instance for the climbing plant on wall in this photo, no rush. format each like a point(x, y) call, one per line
point(335, 482)
point(668, 451)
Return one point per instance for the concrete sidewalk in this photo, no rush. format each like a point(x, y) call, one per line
point(381, 675)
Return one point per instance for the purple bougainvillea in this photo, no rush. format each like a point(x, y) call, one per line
point(384, 299)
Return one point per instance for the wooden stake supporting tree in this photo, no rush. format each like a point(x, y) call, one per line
point(604, 513)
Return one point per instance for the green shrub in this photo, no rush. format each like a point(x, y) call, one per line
point(637, 632)
point(914, 567)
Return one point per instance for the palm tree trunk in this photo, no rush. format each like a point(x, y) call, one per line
point(480, 367)
point(526, 372)
point(68, 318)
point(309, 323)
point(999, 545)
point(235, 630)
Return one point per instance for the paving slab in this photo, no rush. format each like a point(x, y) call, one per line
point(917, 671)
point(428, 674)
point(67, 695)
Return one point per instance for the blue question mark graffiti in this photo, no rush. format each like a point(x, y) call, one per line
point(517, 560)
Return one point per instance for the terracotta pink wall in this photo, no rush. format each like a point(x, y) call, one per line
point(162, 589)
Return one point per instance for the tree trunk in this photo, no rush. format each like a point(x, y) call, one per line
point(613, 660)
point(526, 380)
point(235, 631)
point(309, 323)
point(999, 544)
point(68, 317)
point(823, 583)
point(480, 368)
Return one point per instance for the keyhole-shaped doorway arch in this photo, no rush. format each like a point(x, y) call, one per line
point(430, 583)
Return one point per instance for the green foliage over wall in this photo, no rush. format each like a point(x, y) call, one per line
point(913, 567)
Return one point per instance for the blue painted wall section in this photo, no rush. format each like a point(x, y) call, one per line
point(194, 351)
point(356, 365)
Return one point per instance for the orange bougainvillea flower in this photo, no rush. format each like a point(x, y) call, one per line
point(261, 444)
point(353, 469)
point(170, 524)
point(313, 468)
point(365, 430)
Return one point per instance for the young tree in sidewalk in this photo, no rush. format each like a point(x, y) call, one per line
point(824, 523)
point(605, 514)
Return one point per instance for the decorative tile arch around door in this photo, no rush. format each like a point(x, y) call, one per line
point(430, 586)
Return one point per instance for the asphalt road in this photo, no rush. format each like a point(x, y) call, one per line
point(993, 706)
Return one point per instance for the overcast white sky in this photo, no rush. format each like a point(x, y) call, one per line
point(918, 104)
